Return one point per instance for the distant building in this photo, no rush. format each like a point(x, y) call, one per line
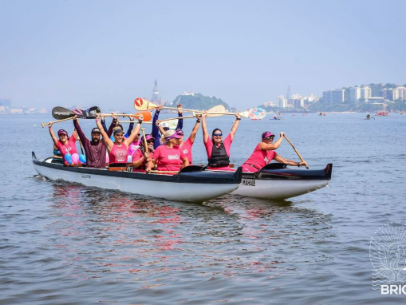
point(388, 94)
point(399, 93)
point(366, 92)
point(16, 111)
point(333, 96)
point(155, 94)
point(282, 102)
point(355, 94)
point(270, 104)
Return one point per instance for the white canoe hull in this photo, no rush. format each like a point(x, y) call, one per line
point(188, 192)
point(277, 189)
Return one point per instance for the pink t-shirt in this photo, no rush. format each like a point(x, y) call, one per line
point(209, 145)
point(168, 159)
point(187, 149)
point(118, 154)
point(260, 157)
point(70, 147)
point(132, 148)
point(138, 155)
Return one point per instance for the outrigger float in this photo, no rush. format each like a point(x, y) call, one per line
point(277, 181)
point(191, 184)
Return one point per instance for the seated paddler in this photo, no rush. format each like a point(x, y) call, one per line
point(218, 147)
point(264, 153)
point(168, 156)
point(95, 149)
point(118, 150)
point(142, 156)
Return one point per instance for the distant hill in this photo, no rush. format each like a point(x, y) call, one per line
point(198, 101)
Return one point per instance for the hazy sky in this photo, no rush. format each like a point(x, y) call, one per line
point(244, 52)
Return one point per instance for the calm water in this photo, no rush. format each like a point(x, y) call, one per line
point(68, 244)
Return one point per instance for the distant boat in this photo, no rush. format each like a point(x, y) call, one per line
point(382, 113)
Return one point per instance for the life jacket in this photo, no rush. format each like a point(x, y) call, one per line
point(218, 156)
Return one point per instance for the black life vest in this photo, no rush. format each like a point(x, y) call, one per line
point(218, 156)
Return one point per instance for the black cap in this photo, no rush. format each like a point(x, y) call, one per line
point(96, 130)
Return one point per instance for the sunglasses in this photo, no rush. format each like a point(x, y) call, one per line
point(269, 138)
point(150, 141)
point(217, 135)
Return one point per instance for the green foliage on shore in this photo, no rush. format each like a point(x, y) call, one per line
point(198, 101)
point(360, 107)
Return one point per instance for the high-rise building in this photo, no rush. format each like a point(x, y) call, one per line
point(155, 94)
point(282, 102)
point(327, 97)
point(388, 94)
point(355, 94)
point(338, 96)
point(399, 93)
point(366, 92)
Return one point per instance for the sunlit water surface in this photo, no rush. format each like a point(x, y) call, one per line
point(62, 243)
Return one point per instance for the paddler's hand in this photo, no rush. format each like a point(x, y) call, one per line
point(75, 118)
point(303, 164)
point(180, 109)
point(148, 170)
point(204, 114)
point(157, 122)
point(131, 118)
point(238, 116)
point(160, 107)
point(282, 134)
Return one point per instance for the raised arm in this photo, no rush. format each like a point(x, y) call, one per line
point(79, 131)
point(272, 146)
point(103, 122)
point(135, 131)
point(51, 132)
point(204, 128)
point(192, 136)
point(155, 129)
point(235, 126)
point(180, 121)
point(105, 138)
point(130, 128)
point(161, 129)
point(112, 125)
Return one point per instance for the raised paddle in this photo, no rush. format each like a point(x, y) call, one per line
point(53, 122)
point(146, 115)
point(300, 157)
point(179, 118)
point(61, 113)
point(143, 104)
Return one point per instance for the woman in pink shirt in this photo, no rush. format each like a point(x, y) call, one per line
point(217, 149)
point(168, 156)
point(141, 157)
point(264, 153)
point(186, 146)
point(118, 150)
point(65, 144)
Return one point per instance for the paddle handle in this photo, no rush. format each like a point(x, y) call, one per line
point(53, 122)
point(145, 139)
point(228, 113)
point(300, 157)
point(121, 114)
point(143, 122)
point(178, 118)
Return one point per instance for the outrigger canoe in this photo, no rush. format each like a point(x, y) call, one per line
point(191, 184)
point(277, 181)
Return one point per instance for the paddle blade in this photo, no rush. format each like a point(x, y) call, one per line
point(146, 115)
point(256, 113)
point(60, 113)
point(143, 104)
point(220, 109)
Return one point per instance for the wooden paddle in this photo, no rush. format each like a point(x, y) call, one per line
point(215, 111)
point(143, 104)
point(300, 157)
point(61, 113)
point(53, 122)
point(146, 115)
